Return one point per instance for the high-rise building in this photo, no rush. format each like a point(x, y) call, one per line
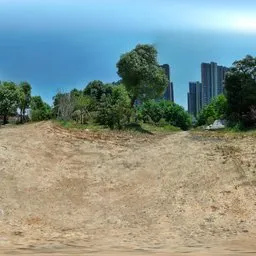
point(168, 95)
point(194, 98)
point(212, 81)
point(221, 78)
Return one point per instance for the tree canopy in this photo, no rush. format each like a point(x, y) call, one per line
point(141, 73)
point(217, 109)
point(240, 87)
point(9, 99)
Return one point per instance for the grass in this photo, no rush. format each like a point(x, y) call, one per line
point(133, 127)
point(75, 125)
point(160, 129)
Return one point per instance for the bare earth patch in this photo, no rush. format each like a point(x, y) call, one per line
point(93, 193)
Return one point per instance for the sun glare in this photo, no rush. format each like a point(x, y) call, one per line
point(246, 24)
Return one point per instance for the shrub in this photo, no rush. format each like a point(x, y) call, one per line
point(217, 109)
point(40, 110)
point(165, 112)
point(115, 109)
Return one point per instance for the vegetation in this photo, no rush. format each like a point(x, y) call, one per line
point(39, 109)
point(112, 105)
point(16, 100)
point(164, 113)
point(240, 86)
point(238, 104)
point(217, 109)
point(9, 99)
point(115, 109)
point(141, 74)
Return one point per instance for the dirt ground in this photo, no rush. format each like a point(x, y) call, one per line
point(85, 193)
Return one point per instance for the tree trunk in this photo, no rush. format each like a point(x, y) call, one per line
point(24, 116)
point(5, 119)
point(21, 118)
point(133, 99)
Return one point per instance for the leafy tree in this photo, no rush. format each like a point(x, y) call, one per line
point(82, 106)
point(24, 91)
point(76, 93)
point(40, 110)
point(177, 116)
point(217, 109)
point(151, 112)
point(96, 89)
point(8, 99)
point(164, 112)
point(115, 108)
point(240, 87)
point(141, 73)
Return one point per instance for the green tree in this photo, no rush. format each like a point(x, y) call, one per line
point(82, 107)
point(9, 99)
point(39, 109)
point(96, 89)
point(217, 109)
point(76, 93)
point(164, 111)
point(115, 108)
point(240, 87)
point(141, 73)
point(24, 91)
point(151, 112)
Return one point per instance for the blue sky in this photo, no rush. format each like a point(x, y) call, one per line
point(62, 44)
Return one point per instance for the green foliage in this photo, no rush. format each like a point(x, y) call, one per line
point(217, 109)
point(240, 87)
point(40, 110)
point(24, 99)
point(82, 107)
point(150, 112)
point(115, 109)
point(96, 89)
point(141, 73)
point(164, 112)
point(9, 99)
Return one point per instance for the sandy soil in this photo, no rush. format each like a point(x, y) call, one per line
point(103, 194)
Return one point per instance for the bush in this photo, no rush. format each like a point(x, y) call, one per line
point(114, 109)
point(163, 113)
point(40, 110)
point(217, 109)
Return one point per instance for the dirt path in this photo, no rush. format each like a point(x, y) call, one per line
point(84, 193)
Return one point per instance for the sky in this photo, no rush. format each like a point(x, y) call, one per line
point(58, 45)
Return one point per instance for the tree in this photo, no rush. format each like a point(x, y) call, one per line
point(82, 106)
point(63, 106)
point(115, 109)
point(240, 87)
point(171, 113)
point(8, 99)
point(141, 73)
point(217, 109)
point(40, 110)
point(96, 89)
point(76, 93)
point(24, 91)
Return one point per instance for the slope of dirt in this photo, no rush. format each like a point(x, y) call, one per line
point(82, 192)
